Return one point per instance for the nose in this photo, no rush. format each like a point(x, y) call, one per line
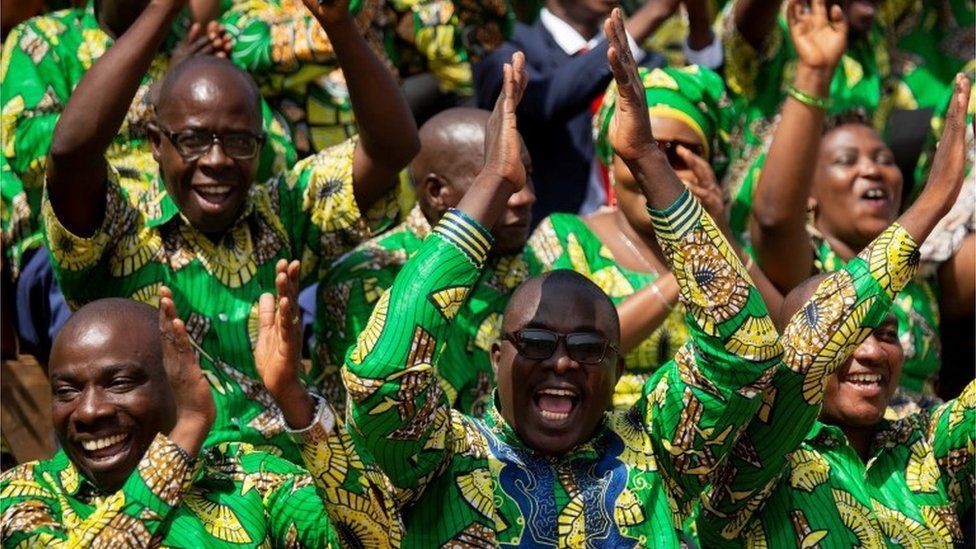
point(870, 352)
point(215, 155)
point(92, 407)
point(562, 362)
point(869, 168)
point(522, 199)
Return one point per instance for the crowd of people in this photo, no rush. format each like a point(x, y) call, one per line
point(457, 273)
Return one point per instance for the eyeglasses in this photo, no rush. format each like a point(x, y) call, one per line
point(192, 144)
point(539, 344)
point(670, 149)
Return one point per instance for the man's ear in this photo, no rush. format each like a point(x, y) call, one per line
point(437, 192)
point(155, 138)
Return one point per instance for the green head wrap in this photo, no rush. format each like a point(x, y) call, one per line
point(694, 95)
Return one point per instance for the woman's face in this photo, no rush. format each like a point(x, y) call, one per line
point(630, 199)
point(857, 186)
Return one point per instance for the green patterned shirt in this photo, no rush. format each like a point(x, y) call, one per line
point(354, 286)
point(793, 481)
point(43, 61)
point(233, 496)
point(470, 481)
point(887, 70)
point(917, 311)
point(565, 241)
point(308, 213)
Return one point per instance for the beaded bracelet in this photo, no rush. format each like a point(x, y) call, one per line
point(822, 103)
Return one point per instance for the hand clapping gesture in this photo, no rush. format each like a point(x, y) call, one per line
point(195, 408)
point(630, 128)
point(503, 146)
point(278, 352)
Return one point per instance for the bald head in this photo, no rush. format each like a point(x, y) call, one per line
point(203, 79)
point(452, 146)
point(798, 298)
point(556, 291)
point(113, 317)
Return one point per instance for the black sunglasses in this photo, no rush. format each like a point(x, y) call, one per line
point(540, 344)
point(670, 149)
point(192, 144)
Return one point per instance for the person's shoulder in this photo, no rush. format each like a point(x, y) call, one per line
point(387, 252)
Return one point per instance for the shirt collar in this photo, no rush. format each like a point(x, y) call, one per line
point(565, 35)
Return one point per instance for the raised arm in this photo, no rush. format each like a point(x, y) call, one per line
point(953, 440)
point(778, 224)
point(698, 407)
point(76, 168)
point(844, 309)
point(388, 137)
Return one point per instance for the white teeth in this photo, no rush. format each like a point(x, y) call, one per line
point(864, 378)
point(557, 392)
point(98, 444)
point(875, 193)
point(555, 416)
point(214, 189)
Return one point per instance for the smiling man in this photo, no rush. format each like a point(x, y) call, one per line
point(452, 146)
point(131, 410)
point(549, 465)
point(821, 464)
point(205, 228)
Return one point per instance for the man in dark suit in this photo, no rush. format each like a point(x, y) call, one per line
point(566, 60)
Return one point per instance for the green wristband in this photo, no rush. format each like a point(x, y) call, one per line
point(822, 103)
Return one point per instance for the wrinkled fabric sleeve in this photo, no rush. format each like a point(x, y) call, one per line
point(952, 438)
point(397, 410)
point(843, 311)
point(130, 517)
point(317, 206)
point(708, 393)
point(358, 498)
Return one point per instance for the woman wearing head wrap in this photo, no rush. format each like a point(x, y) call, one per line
point(616, 248)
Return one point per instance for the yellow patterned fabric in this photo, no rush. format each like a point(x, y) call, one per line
point(472, 483)
point(793, 481)
point(308, 212)
point(234, 496)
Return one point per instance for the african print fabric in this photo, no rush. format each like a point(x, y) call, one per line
point(471, 482)
point(290, 55)
point(793, 481)
point(565, 241)
point(43, 61)
point(884, 71)
point(354, 287)
point(309, 213)
point(917, 311)
point(232, 496)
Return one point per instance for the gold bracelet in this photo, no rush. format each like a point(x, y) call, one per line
point(822, 103)
point(660, 295)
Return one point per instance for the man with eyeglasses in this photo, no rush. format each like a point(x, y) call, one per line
point(204, 229)
point(550, 465)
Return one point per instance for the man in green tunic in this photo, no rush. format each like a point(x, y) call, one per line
point(452, 148)
point(131, 410)
point(853, 478)
point(549, 465)
point(205, 230)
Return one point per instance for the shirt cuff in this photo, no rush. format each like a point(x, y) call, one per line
point(673, 222)
point(710, 56)
point(466, 234)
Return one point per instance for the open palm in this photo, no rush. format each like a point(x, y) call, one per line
point(277, 353)
point(819, 35)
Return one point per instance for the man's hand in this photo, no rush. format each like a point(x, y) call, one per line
point(949, 166)
point(278, 352)
point(195, 408)
point(503, 146)
point(630, 128)
point(329, 11)
point(819, 36)
point(209, 39)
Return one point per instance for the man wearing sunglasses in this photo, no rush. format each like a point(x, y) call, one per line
point(203, 228)
point(549, 465)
